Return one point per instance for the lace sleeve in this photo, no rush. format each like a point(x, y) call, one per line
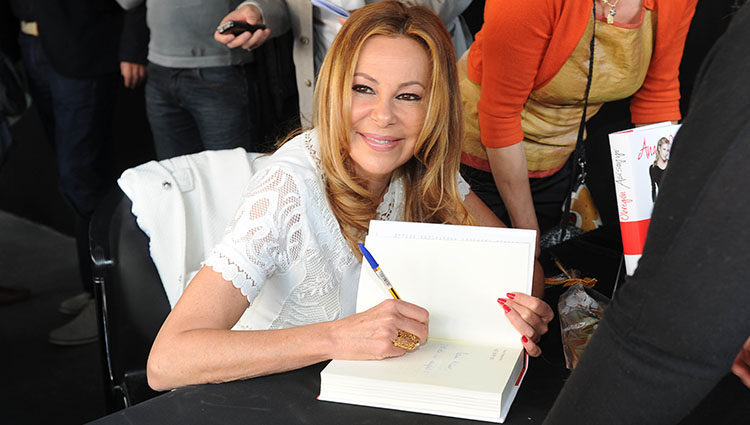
point(265, 235)
point(463, 186)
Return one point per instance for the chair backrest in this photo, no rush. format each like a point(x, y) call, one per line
point(142, 266)
point(131, 300)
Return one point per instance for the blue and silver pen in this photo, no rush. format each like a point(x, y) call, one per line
point(378, 272)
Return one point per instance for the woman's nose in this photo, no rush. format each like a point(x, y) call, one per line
point(382, 113)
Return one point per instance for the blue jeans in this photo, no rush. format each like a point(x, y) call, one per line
point(77, 116)
point(196, 109)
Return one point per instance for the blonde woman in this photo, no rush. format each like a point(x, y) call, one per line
point(656, 170)
point(384, 146)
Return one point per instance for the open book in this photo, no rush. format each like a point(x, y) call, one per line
point(639, 159)
point(473, 362)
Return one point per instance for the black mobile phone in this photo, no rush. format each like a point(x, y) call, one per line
point(238, 27)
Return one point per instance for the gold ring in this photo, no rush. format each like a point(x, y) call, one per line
point(406, 340)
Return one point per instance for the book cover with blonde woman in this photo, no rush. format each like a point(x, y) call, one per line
point(639, 160)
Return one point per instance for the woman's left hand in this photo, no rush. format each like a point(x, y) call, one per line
point(530, 316)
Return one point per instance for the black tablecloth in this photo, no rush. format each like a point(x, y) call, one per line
point(290, 398)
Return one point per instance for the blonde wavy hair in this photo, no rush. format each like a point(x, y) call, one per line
point(662, 141)
point(431, 192)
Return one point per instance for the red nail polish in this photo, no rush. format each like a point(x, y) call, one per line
point(506, 308)
point(511, 295)
point(524, 339)
point(501, 301)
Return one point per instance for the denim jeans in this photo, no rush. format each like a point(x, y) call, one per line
point(196, 109)
point(77, 116)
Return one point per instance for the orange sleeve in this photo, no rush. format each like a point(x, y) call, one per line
point(658, 99)
point(510, 49)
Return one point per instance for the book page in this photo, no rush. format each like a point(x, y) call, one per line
point(440, 362)
point(457, 273)
point(431, 231)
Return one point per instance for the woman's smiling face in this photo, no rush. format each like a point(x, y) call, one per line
point(663, 151)
point(389, 105)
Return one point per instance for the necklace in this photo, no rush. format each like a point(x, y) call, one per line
point(612, 11)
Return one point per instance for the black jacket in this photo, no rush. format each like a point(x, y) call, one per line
point(86, 38)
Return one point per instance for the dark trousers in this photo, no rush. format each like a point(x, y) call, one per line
point(77, 118)
point(196, 109)
point(548, 194)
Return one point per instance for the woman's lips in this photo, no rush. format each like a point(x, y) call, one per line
point(379, 142)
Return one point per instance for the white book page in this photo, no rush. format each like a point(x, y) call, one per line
point(458, 279)
point(441, 363)
point(430, 231)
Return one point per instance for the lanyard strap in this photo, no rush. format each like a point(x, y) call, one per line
point(578, 170)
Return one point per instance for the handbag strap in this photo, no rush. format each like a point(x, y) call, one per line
point(578, 170)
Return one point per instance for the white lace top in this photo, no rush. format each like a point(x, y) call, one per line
point(284, 249)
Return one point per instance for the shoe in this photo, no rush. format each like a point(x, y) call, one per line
point(75, 304)
point(81, 330)
point(13, 295)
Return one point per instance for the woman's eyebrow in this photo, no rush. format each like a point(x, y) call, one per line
point(404, 84)
point(365, 76)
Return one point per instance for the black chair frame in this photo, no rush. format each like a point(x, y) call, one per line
point(131, 300)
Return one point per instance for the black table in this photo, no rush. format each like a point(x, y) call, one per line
point(291, 397)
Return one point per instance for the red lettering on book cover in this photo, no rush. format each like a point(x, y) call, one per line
point(647, 151)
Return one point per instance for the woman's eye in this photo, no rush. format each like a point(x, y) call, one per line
point(409, 96)
point(360, 88)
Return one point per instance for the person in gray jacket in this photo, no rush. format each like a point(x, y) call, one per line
point(314, 30)
point(197, 91)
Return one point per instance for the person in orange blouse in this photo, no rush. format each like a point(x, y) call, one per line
point(523, 83)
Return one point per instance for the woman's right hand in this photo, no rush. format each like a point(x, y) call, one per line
point(247, 40)
point(369, 335)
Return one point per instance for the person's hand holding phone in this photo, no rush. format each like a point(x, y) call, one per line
point(248, 39)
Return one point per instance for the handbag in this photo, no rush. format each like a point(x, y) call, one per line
point(579, 212)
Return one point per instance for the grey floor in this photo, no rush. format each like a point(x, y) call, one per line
point(39, 382)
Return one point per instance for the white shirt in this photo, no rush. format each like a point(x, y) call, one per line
point(284, 249)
